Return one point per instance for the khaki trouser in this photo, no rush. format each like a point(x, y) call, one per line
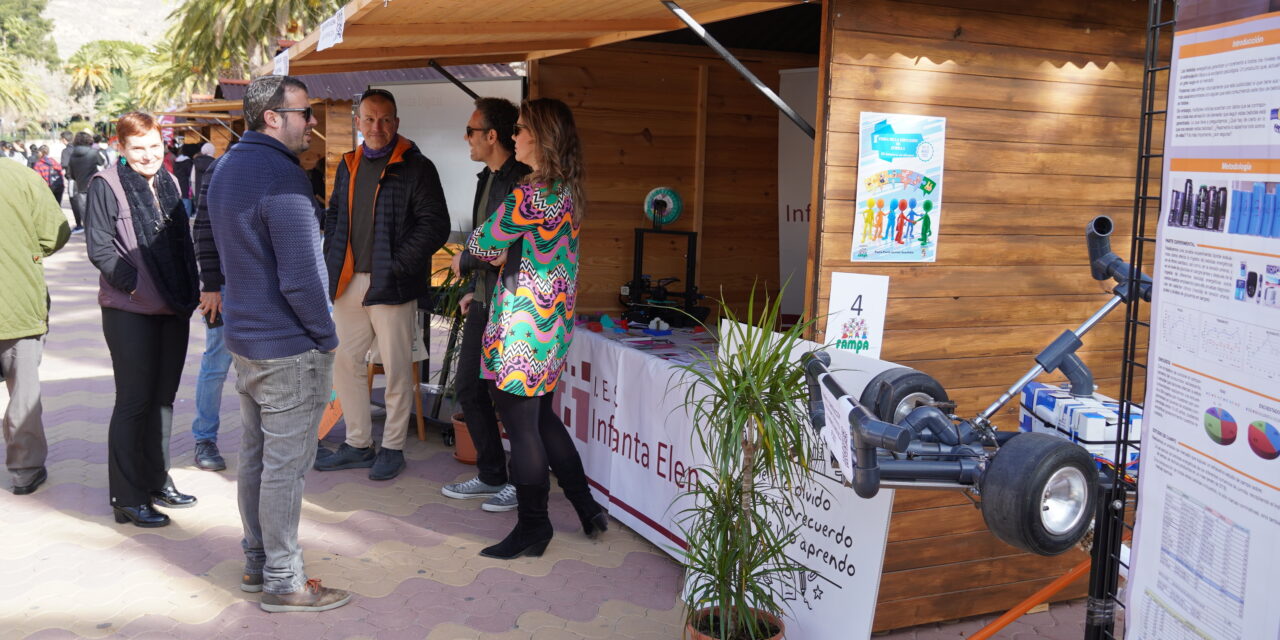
point(358, 326)
point(25, 445)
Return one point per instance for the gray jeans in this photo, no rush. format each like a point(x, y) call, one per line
point(25, 445)
point(281, 402)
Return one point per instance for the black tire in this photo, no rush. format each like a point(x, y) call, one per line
point(891, 387)
point(1015, 504)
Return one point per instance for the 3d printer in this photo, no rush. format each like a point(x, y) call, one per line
point(642, 297)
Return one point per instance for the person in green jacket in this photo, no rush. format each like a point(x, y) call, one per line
point(32, 227)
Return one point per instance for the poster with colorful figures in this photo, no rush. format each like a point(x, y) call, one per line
point(899, 207)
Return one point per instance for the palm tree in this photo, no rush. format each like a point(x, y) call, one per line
point(159, 81)
point(16, 90)
point(94, 64)
point(215, 38)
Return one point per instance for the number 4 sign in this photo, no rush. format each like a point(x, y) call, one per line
point(855, 313)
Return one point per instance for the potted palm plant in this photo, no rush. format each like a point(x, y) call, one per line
point(748, 411)
point(447, 290)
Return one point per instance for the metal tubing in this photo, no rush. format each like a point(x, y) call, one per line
point(450, 77)
point(740, 68)
point(1084, 328)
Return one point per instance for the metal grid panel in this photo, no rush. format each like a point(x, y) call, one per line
point(1112, 528)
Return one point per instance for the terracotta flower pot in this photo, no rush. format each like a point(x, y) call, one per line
point(691, 628)
point(464, 450)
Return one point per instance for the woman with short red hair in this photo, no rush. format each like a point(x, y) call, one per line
point(137, 236)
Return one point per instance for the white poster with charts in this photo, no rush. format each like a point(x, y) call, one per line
point(1205, 564)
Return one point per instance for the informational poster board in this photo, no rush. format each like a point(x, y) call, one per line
point(799, 89)
point(855, 313)
point(899, 208)
point(1204, 557)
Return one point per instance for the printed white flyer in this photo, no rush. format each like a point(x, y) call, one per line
point(855, 313)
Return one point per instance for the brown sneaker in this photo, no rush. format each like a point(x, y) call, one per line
point(311, 597)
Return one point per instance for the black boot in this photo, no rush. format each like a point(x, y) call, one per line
point(594, 518)
point(573, 480)
point(533, 527)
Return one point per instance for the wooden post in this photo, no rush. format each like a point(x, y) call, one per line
point(700, 166)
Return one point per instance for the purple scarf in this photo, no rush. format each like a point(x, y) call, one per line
point(374, 154)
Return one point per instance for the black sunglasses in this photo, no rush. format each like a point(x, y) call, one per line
point(471, 130)
point(517, 127)
point(305, 111)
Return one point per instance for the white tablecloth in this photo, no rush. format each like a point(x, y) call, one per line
point(624, 407)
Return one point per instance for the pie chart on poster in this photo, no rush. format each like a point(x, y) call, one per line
point(1264, 439)
point(1220, 426)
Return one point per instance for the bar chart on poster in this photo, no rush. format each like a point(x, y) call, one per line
point(1204, 564)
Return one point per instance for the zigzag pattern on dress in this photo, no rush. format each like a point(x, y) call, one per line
point(557, 287)
point(548, 207)
point(530, 329)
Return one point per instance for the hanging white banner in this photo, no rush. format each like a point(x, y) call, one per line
point(331, 31)
point(281, 66)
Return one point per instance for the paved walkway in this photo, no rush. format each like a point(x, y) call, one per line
point(67, 570)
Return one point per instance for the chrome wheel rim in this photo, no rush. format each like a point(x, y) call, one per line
point(909, 403)
point(1063, 501)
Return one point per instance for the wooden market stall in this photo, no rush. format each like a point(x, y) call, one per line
point(219, 121)
point(1042, 104)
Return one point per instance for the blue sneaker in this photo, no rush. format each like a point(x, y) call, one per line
point(346, 457)
point(387, 465)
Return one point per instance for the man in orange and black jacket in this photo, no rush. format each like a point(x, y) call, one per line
point(386, 217)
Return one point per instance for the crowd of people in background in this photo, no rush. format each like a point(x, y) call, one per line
point(295, 290)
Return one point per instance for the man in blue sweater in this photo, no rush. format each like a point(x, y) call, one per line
point(279, 333)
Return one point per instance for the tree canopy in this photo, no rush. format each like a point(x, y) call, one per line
point(208, 39)
point(24, 34)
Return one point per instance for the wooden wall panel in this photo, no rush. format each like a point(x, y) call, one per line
point(637, 110)
point(1042, 102)
point(338, 131)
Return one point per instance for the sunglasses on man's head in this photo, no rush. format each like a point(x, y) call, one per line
point(377, 92)
point(305, 111)
point(471, 130)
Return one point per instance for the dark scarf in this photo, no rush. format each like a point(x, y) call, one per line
point(374, 154)
point(164, 239)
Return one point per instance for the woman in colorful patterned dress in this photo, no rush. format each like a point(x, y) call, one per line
point(534, 237)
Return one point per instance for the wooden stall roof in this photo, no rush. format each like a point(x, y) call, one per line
point(409, 33)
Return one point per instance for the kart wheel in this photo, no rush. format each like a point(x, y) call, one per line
point(893, 393)
point(1038, 493)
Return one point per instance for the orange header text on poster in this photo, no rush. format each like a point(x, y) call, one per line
point(1234, 43)
point(1225, 165)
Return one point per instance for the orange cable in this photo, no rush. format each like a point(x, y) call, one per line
point(1036, 598)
